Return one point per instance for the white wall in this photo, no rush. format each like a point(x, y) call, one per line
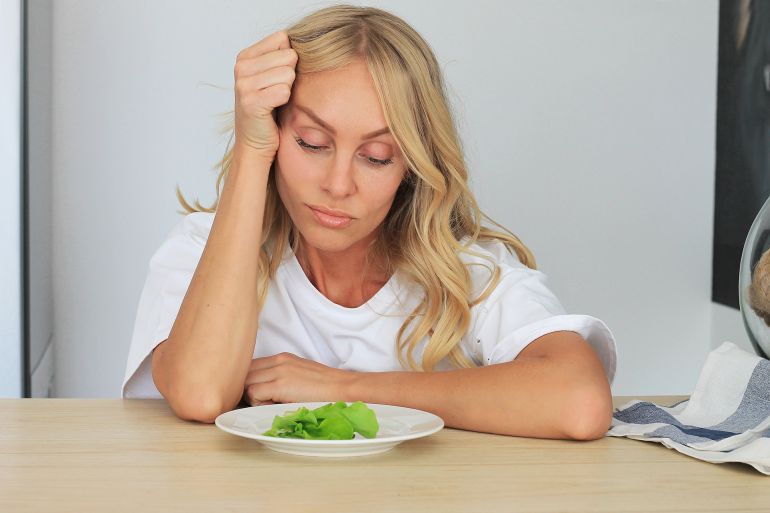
point(10, 195)
point(589, 130)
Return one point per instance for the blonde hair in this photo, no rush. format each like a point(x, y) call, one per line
point(759, 290)
point(434, 215)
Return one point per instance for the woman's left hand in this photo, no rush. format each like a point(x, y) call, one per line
point(288, 378)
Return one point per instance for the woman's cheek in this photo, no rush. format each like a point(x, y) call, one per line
point(290, 163)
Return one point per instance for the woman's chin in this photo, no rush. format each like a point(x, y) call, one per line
point(322, 240)
point(335, 241)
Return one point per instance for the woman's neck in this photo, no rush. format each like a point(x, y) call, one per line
point(343, 277)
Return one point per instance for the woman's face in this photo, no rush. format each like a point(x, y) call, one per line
point(336, 153)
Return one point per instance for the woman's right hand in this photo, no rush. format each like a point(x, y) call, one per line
point(264, 74)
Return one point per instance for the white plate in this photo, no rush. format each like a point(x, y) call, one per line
point(397, 424)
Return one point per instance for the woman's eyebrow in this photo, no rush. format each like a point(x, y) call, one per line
point(328, 127)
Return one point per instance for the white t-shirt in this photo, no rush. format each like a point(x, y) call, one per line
point(297, 318)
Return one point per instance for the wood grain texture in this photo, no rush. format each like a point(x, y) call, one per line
point(113, 455)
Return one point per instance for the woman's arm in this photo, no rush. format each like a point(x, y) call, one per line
point(555, 388)
point(200, 368)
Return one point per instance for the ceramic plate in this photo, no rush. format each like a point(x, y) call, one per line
point(397, 424)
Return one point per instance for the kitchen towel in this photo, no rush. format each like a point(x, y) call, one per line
point(726, 419)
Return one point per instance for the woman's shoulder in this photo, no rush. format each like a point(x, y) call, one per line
point(488, 252)
point(196, 225)
point(184, 243)
point(482, 257)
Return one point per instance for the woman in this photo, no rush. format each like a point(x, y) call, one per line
point(344, 258)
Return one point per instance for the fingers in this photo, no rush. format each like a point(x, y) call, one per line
point(266, 362)
point(264, 75)
point(280, 75)
point(260, 376)
point(275, 41)
point(258, 386)
point(259, 393)
point(249, 399)
point(245, 67)
point(256, 102)
point(270, 377)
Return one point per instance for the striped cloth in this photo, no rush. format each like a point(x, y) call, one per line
point(726, 419)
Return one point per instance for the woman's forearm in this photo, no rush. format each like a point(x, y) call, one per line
point(539, 397)
point(201, 367)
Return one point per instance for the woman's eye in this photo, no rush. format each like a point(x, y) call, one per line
point(371, 160)
point(379, 162)
point(308, 146)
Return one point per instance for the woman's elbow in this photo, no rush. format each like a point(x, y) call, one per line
point(188, 401)
point(191, 403)
point(204, 411)
point(592, 415)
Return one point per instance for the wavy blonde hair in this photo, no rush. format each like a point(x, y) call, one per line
point(434, 215)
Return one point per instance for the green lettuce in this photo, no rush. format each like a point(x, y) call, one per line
point(333, 421)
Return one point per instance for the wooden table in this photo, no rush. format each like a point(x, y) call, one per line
point(113, 455)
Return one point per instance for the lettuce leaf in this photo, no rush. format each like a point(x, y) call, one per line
point(333, 421)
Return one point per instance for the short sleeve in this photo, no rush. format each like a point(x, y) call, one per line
point(523, 308)
point(169, 274)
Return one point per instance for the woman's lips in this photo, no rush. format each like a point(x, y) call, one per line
point(330, 221)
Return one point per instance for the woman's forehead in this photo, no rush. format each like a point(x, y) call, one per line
point(343, 98)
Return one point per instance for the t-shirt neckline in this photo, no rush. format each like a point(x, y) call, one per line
point(382, 298)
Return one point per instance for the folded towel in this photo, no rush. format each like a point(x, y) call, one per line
point(726, 419)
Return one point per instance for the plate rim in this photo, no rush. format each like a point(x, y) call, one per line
point(353, 441)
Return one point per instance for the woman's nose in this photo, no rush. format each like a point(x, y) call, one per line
point(339, 180)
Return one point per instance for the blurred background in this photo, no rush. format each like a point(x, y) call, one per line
point(589, 128)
